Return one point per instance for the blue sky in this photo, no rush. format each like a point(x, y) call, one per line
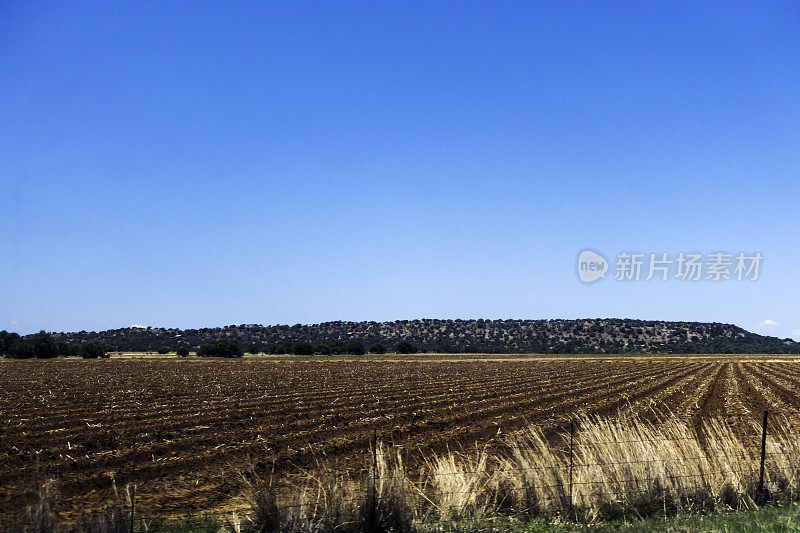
point(194, 164)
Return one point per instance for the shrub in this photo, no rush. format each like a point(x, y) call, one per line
point(182, 351)
point(281, 347)
point(163, 350)
point(337, 347)
point(94, 349)
point(406, 347)
point(356, 348)
point(322, 349)
point(66, 349)
point(44, 346)
point(253, 350)
point(377, 348)
point(21, 349)
point(304, 348)
point(6, 340)
point(220, 348)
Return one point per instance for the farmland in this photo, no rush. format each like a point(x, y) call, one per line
point(177, 428)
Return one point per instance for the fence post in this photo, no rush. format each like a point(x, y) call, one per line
point(374, 503)
point(571, 442)
point(763, 455)
point(133, 505)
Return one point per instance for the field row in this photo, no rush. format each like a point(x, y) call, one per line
point(176, 427)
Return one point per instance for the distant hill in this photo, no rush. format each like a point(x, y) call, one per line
point(463, 336)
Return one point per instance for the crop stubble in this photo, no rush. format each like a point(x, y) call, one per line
point(176, 428)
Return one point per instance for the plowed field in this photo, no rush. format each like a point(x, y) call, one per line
point(175, 427)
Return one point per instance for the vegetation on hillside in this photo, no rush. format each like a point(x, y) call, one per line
point(594, 336)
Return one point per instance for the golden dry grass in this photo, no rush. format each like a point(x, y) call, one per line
point(621, 467)
point(624, 467)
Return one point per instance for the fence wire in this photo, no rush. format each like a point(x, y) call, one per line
point(561, 493)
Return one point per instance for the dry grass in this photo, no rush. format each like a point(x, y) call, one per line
point(632, 467)
point(327, 500)
point(43, 517)
point(624, 467)
point(458, 485)
point(621, 467)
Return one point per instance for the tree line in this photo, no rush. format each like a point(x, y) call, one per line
point(353, 347)
point(232, 348)
point(43, 345)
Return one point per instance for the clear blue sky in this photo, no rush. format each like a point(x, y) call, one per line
point(194, 164)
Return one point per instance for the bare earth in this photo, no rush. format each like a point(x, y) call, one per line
point(177, 428)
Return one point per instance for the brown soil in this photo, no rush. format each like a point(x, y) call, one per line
point(179, 428)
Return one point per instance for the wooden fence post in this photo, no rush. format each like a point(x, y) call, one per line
point(133, 505)
point(571, 442)
point(763, 455)
point(373, 510)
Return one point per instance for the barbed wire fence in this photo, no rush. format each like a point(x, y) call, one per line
point(566, 494)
